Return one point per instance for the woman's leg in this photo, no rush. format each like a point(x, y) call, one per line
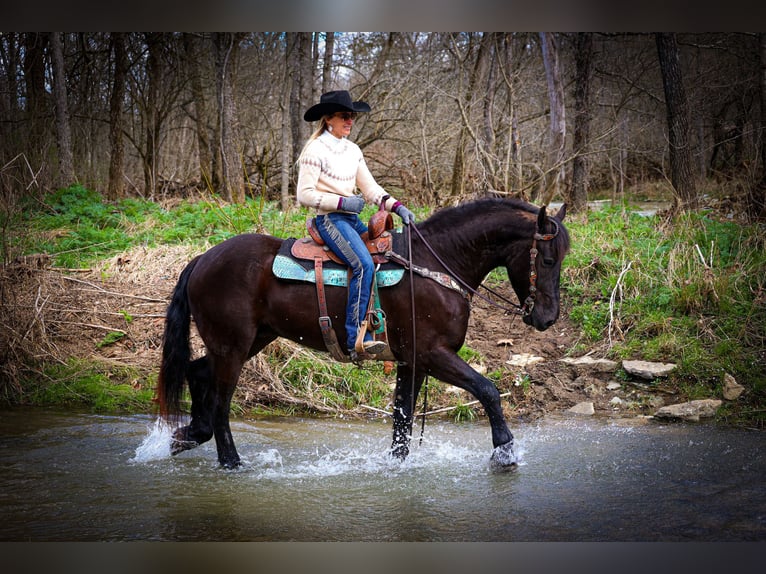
point(341, 232)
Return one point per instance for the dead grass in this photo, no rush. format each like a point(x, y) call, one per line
point(50, 315)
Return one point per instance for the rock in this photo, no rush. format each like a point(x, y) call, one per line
point(587, 364)
point(613, 386)
point(593, 390)
point(731, 388)
point(584, 381)
point(690, 411)
point(584, 408)
point(648, 370)
point(656, 402)
point(523, 360)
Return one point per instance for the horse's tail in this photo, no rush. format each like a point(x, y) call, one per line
point(176, 352)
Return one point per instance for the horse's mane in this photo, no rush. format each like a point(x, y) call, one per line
point(449, 217)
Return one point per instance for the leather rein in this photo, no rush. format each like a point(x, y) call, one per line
point(529, 303)
point(523, 310)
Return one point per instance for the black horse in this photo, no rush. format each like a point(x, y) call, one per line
point(239, 307)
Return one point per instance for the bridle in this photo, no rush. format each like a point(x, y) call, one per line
point(524, 309)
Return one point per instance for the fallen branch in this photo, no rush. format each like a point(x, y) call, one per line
point(98, 289)
point(68, 270)
point(92, 325)
point(613, 297)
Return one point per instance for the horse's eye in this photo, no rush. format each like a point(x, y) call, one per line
point(548, 261)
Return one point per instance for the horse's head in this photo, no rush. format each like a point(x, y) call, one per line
point(535, 278)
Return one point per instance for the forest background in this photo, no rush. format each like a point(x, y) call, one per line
point(574, 117)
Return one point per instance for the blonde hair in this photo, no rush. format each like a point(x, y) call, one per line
point(317, 132)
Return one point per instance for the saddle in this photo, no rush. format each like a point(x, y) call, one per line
point(378, 240)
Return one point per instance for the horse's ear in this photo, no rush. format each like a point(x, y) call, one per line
point(562, 212)
point(541, 218)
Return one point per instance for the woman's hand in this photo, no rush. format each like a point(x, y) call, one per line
point(406, 215)
point(353, 204)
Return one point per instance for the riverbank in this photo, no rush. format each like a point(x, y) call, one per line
point(96, 335)
point(83, 319)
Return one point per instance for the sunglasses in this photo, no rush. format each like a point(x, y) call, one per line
point(346, 115)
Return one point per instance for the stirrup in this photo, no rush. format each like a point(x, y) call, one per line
point(374, 347)
point(371, 347)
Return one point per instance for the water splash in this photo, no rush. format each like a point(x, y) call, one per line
point(156, 445)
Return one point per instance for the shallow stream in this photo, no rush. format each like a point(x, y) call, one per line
point(76, 476)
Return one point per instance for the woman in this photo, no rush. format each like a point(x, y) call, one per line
point(331, 168)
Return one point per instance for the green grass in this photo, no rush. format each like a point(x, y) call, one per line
point(692, 291)
point(318, 380)
point(93, 385)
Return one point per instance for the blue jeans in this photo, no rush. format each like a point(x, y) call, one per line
point(341, 232)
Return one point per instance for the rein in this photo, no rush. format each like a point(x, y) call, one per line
point(529, 303)
point(524, 310)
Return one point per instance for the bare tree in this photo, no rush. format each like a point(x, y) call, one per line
point(329, 52)
point(284, 105)
point(757, 195)
point(464, 101)
point(452, 112)
point(195, 58)
point(554, 170)
point(681, 173)
point(227, 52)
point(116, 187)
point(35, 96)
point(63, 128)
point(301, 77)
point(154, 70)
point(577, 196)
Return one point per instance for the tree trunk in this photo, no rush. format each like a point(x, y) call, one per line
point(458, 165)
point(63, 128)
point(329, 51)
point(757, 196)
point(152, 127)
point(285, 136)
point(34, 81)
point(513, 176)
point(554, 171)
point(762, 41)
point(487, 142)
point(578, 194)
point(681, 173)
point(227, 51)
point(194, 58)
point(299, 58)
point(117, 160)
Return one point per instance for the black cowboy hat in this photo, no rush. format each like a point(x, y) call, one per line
point(331, 102)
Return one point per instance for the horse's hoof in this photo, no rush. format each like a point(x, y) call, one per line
point(177, 446)
point(400, 453)
point(179, 443)
point(231, 465)
point(503, 458)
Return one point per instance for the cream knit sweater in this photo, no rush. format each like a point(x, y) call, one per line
point(330, 168)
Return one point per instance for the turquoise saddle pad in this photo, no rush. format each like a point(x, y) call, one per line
point(285, 267)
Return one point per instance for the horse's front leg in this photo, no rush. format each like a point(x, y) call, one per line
point(405, 394)
point(448, 367)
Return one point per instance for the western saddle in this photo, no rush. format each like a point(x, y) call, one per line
point(379, 241)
